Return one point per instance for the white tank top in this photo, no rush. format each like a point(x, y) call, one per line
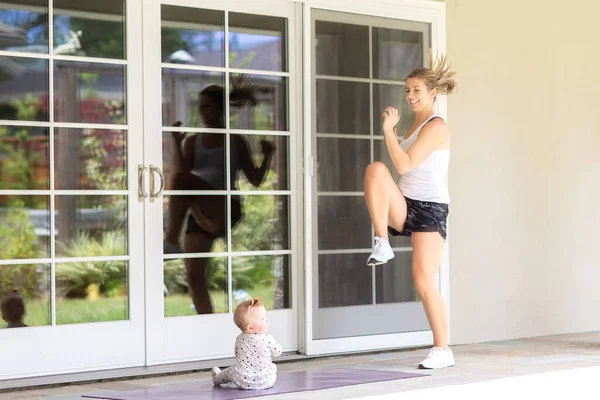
point(428, 181)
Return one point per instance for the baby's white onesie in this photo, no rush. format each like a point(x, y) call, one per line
point(253, 369)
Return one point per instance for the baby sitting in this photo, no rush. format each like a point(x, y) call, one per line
point(253, 350)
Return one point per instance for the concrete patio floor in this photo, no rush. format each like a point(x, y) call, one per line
point(479, 364)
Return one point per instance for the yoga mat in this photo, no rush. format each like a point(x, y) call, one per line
point(287, 382)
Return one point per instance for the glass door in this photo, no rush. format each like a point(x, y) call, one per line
point(71, 257)
point(359, 64)
point(220, 140)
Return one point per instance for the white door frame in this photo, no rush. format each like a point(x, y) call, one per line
point(165, 336)
point(414, 10)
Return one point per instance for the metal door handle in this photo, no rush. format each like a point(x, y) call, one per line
point(154, 196)
point(142, 194)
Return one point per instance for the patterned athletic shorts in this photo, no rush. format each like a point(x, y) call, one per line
point(423, 216)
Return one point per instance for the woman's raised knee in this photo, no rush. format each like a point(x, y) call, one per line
point(376, 168)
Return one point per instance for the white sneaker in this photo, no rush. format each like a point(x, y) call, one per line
point(438, 358)
point(382, 252)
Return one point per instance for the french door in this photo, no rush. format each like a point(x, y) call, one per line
point(220, 138)
point(71, 252)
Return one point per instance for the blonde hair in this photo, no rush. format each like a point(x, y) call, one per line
point(437, 76)
point(240, 316)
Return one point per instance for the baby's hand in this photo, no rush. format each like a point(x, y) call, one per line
point(275, 347)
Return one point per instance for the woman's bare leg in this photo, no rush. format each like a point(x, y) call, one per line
point(428, 248)
point(385, 202)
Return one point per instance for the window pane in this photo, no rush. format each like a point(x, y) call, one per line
point(262, 276)
point(194, 223)
point(394, 280)
point(342, 107)
point(342, 164)
point(195, 286)
point(23, 89)
point(196, 99)
point(339, 215)
point(277, 171)
point(89, 92)
point(257, 42)
point(258, 102)
point(30, 305)
point(24, 158)
point(344, 280)
point(91, 291)
point(192, 36)
point(90, 159)
point(91, 29)
point(263, 224)
point(396, 53)
point(91, 226)
point(342, 49)
point(24, 227)
point(24, 26)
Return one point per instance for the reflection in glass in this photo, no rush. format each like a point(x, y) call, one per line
point(101, 33)
point(194, 98)
point(24, 158)
point(396, 53)
point(91, 291)
point(89, 92)
point(342, 107)
point(90, 159)
point(339, 215)
point(24, 227)
point(257, 42)
point(91, 226)
point(268, 97)
point(262, 276)
point(195, 223)
point(264, 224)
point(23, 89)
point(272, 151)
point(394, 281)
point(195, 286)
point(25, 295)
point(344, 280)
point(342, 49)
point(24, 26)
point(192, 36)
point(341, 164)
point(391, 96)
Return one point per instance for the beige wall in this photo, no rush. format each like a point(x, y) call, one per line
point(525, 168)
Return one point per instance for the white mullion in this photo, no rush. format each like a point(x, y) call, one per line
point(359, 80)
point(192, 67)
point(228, 167)
point(25, 261)
point(281, 74)
point(23, 54)
point(224, 131)
point(359, 251)
point(249, 253)
point(224, 192)
point(50, 192)
point(66, 260)
point(82, 125)
point(32, 124)
point(51, 160)
point(340, 194)
point(342, 136)
point(91, 60)
point(371, 150)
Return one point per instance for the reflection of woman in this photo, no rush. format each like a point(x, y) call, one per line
point(200, 165)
